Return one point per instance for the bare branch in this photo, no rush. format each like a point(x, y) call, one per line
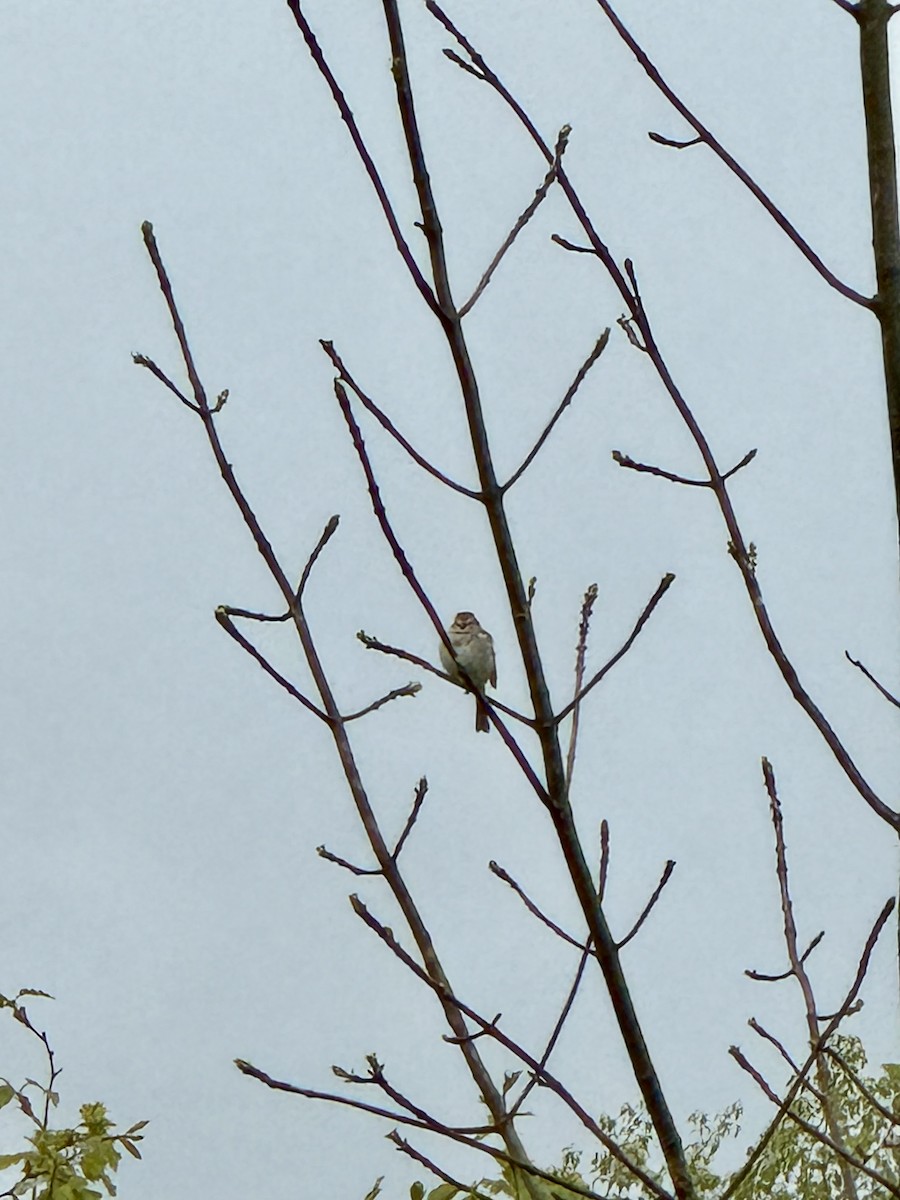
point(741, 555)
point(532, 907)
point(539, 196)
point(657, 891)
point(665, 584)
point(388, 425)
point(731, 163)
point(868, 674)
point(599, 347)
point(547, 1079)
point(586, 955)
point(224, 619)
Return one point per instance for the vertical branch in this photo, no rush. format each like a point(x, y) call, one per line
point(545, 723)
point(798, 970)
point(873, 17)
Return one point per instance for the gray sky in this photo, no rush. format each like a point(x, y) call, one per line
point(164, 800)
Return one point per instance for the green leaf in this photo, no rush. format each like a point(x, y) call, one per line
point(417, 1191)
point(11, 1160)
point(6, 1094)
point(370, 1195)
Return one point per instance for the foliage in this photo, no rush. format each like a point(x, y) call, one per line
point(795, 1165)
point(61, 1164)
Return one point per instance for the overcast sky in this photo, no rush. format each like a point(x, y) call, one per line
point(164, 799)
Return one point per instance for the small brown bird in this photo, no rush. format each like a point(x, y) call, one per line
point(474, 648)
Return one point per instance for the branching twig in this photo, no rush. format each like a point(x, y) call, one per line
point(847, 1006)
point(730, 162)
point(847, 1158)
point(625, 461)
point(223, 616)
point(547, 1079)
point(665, 584)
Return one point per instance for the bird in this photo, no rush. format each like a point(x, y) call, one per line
point(474, 650)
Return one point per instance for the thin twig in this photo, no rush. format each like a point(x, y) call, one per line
point(586, 955)
point(464, 1189)
point(868, 674)
point(648, 907)
point(368, 162)
point(409, 689)
point(587, 606)
point(327, 534)
point(532, 907)
point(141, 360)
point(387, 424)
point(539, 196)
point(665, 584)
point(323, 852)
point(599, 347)
point(418, 801)
point(675, 144)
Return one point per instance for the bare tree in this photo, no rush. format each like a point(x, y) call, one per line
point(542, 741)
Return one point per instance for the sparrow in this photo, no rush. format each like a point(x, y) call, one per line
point(474, 648)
